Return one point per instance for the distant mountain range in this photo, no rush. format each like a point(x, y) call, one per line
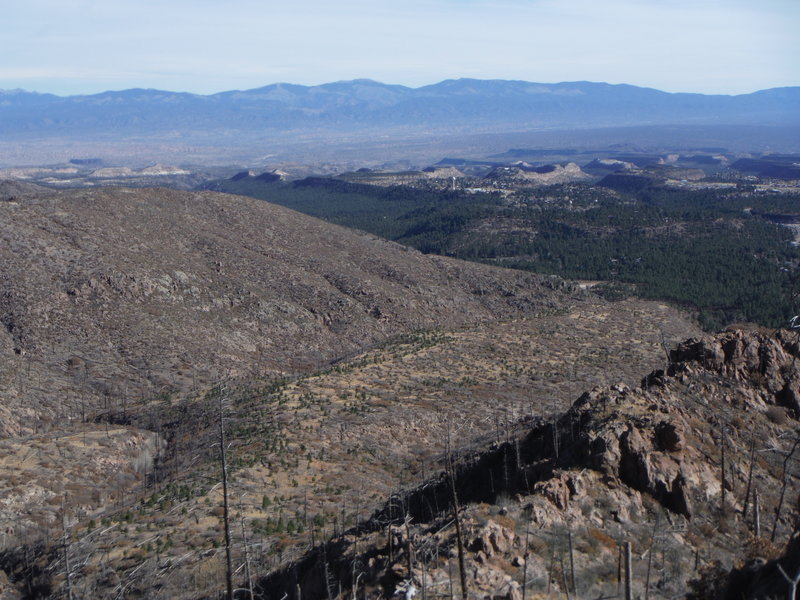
point(353, 122)
point(368, 105)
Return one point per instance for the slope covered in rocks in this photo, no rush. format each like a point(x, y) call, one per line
point(698, 468)
point(126, 313)
point(112, 293)
point(307, 454)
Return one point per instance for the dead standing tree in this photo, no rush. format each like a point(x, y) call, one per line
point(65, 547)
point(784, 483)
point(220, 391)
point(793, 582)
point(456, 517)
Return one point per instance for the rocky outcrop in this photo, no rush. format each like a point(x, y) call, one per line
point(768, 362)
point(609, 165)
point(645, 468)
point(546, 175)
point(666, 466)
point(493, 539)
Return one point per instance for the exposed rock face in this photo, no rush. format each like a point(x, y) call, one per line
point(609, 164)
point(668, 438)
point(159, 169)
point(429, 177)
point(442, 172)
point(661, 449)
point(493, 539)
point(769, 360)
point(646, 451)
point(626, 464)
point(547, 175)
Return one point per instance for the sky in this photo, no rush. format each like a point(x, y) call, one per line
point(70, 47)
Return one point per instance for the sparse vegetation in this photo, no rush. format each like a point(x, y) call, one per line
point(312, 457)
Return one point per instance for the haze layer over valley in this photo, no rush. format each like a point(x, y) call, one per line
point(372, 123)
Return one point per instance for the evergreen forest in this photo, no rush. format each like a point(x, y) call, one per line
point(717, 252)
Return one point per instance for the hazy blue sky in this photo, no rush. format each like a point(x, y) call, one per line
point(206, 46)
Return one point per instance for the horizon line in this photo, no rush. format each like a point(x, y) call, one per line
point(381, 83)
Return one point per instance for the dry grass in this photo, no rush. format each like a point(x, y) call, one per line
point(85, 470)
point(326, 449)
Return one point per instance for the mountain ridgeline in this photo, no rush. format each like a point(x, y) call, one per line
point(364, 105)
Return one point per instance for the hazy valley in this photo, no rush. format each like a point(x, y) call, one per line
point(350, 124)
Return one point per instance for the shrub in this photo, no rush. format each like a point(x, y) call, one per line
point(602, 537)
point(710, 582)
point(776, 414)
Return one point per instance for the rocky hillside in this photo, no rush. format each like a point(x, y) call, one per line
point(697, 469)
point(122, 293)
point(339, 357)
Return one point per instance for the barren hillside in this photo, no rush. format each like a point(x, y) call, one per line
point(115, 293)
point(341, 360)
